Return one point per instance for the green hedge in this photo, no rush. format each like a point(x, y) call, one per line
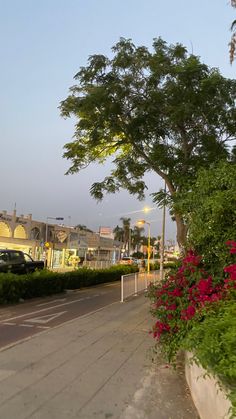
point(156, 266)
point(38, 284)
point(213, 342)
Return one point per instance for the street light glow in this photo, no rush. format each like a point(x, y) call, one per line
point(147, 209)
point(141, 222)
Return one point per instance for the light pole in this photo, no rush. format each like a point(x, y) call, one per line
point(68, 240)
point(129, 244)
point(142, 222)
point(163, 240)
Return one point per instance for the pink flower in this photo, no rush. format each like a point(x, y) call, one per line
point(205, 286)
point(176, 292)
point(232, 244)
point(171, 307)
point(188, 313)
point(192, 259)
point(159, 328)
point(231, 269)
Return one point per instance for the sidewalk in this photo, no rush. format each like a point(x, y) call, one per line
point(97, 366)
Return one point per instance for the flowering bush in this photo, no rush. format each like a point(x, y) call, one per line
point(185, 297)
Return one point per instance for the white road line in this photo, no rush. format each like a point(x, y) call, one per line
point(6, 313)
point(18, 342)
point(46, 318)
point(42, 310)
point(49, 302)
point(9, 324)
point(26, 325)
point(50, 308)
point(43, 327)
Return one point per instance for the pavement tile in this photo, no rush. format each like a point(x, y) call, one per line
point(97, 366)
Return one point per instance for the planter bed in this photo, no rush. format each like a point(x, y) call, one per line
point(210, 401)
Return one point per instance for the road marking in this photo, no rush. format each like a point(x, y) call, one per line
point(42, 310)
point(7, 313)
point(9, 324)
point(18, 342)
point(26, 325)
point(49, 302)
point(43, 327)
point(45, 319)
point(49, 308)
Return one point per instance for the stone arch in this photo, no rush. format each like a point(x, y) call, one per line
point(5, 230)
point(35, 233)
point(19, 232)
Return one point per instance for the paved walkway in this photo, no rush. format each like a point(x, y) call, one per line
point(98, 366)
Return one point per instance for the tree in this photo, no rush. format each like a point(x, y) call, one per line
point(161, 111)
point(118, 233)
point(131, 237)
point(126, 230)
point(210, 212)
point(123, 233)
point(83, 227)
point(136, 237)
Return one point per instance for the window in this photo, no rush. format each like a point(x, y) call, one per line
point(27, 258)
point(3, 258)
point(16, 257)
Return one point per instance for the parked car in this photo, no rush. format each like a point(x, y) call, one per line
point(18, 262)
point(128, 260)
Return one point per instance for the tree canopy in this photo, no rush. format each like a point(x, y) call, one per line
point(210, 209)
point(162, 111)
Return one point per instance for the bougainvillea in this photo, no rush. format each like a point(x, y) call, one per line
point(186, 296)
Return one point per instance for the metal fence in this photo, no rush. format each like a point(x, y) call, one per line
point(132, 284)
point(98, 264)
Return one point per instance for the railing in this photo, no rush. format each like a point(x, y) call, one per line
point(98, 264)
point(132, 284)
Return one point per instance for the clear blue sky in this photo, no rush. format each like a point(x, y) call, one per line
point(43, 44)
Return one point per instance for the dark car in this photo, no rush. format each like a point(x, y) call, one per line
point(18, 262)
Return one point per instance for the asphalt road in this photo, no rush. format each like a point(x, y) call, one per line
point(26, 319)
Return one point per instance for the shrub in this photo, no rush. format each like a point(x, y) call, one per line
point(196, 311)
point(213, 343)
point(209, 210)
point(38, 284)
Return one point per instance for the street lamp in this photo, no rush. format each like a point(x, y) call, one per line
point(140, 223)
point(163, 240)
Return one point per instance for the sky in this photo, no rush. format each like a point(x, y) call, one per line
point(42, 45)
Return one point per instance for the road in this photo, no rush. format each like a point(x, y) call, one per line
point(23, 320)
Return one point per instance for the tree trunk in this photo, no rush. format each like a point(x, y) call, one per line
point(181, 232)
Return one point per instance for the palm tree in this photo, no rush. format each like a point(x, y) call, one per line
point(118, 233)
point(136, 237)
point(126, 232)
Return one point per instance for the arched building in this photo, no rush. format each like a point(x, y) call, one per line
point(53, 243)
point(21, 233)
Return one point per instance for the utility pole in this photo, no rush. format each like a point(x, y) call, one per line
point(162, 247)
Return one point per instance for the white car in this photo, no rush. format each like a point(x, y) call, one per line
point(128, 260)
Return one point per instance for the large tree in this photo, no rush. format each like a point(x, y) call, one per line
point(162, 111)
point(210, 209)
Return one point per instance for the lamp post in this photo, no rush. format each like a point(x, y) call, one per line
point(142, 222)
point(163, 240)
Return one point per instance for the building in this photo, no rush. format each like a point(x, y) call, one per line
point(58, 245)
